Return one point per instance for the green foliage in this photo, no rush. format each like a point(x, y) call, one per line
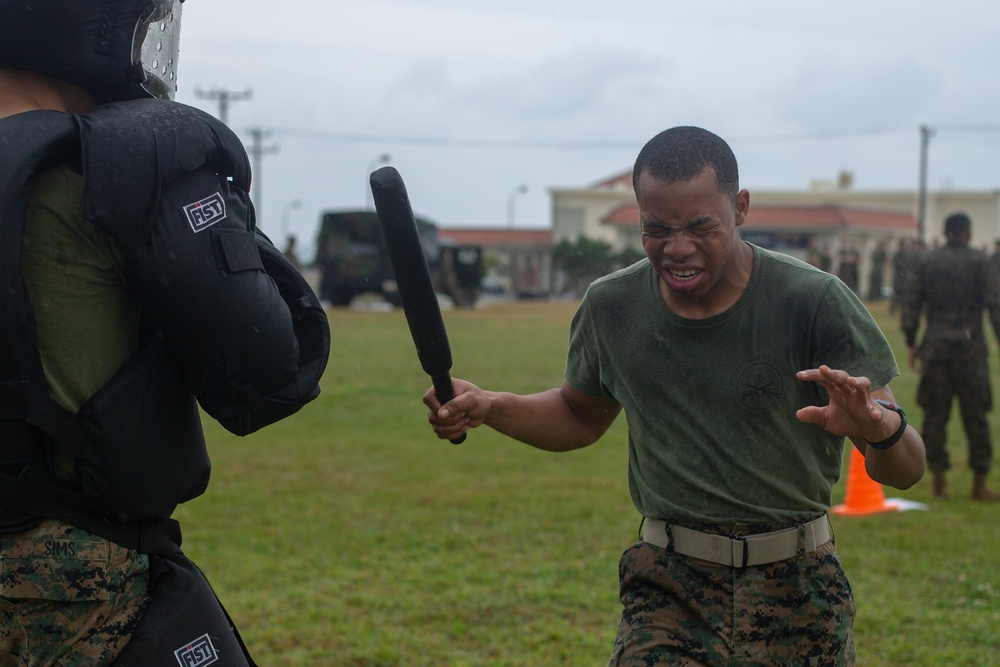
point(582, 260)
point(348, 536)
point(627, 257)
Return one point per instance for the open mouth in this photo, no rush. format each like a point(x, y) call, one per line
point(687, 274)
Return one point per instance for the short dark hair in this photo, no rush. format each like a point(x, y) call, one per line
point(681, 153)
point(956, 224)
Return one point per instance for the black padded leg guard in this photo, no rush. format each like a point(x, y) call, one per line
point(185, 625)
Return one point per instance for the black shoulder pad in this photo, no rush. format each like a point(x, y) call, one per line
point(248, 330)
point(132, 149)
point(243, 407)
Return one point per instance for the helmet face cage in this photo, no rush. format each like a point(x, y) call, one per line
point(155, 46)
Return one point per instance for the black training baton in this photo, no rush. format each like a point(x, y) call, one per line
point(413, 278)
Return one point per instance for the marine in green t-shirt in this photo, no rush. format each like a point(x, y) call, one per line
point(740, 372)
point(710, 402)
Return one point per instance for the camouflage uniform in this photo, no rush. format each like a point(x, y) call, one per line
point(950, 286)
point(876, 277)
point(689, 612)
point(995, 269)
point(67, 597)
point(901, 262)
point(848, 269)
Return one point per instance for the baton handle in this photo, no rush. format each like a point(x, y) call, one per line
point(445, 391)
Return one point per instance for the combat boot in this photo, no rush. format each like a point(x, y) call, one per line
point(980, 491)
point(940, 484)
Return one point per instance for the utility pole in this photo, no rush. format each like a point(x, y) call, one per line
point(257, 151)
point(224, 98)
point(925, 138)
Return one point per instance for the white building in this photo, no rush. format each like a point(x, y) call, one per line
point(831, 216)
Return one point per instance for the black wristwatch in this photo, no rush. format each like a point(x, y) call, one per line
point(894, 438)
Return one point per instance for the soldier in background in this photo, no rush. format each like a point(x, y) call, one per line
point(995, 264)
point(290, 252)
point(848, 270)
point(915, 249)
point(950, 286)
point(877, 274)
point(901, 260)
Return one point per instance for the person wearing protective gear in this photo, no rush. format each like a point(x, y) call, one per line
point(134, 286)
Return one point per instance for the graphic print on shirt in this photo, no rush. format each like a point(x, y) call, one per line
point(758, 385)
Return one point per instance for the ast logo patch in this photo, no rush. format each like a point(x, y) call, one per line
point(197, 653)
point(205, 213)
point(759, 386)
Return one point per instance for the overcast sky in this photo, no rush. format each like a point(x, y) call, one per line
point(472, 99)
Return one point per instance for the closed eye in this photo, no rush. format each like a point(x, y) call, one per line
point(699, 227)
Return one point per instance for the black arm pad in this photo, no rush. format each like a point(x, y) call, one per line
point(203, 285)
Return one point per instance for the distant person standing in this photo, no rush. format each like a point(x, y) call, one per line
point(950, 286)
point(901, 261)
point(290, 252)
point(877, 274)
point(995, 264)
point(915, 250)
point(848, 269)
point(819, 256)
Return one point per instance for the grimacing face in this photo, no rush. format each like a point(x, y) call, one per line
point(689, 233)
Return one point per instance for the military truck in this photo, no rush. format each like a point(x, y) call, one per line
point(352, 259)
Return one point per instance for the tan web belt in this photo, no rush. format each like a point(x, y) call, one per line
point(740, 551)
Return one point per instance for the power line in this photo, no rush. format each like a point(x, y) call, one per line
point(818, 135)
point(455, 143)
point(609, 144)
point(962, 127)
point(538, 144)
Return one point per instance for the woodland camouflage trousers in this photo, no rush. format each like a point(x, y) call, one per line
point(67, 598)
point(940, 383)
point(688, 612)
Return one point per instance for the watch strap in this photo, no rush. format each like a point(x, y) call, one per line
point(894, 438)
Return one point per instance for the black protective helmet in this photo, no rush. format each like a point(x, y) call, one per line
point(115, 49)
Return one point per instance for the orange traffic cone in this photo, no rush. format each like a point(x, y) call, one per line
point(864, 495)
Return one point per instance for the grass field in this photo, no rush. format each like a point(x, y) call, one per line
point(349, 536)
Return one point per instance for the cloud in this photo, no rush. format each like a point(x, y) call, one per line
point(576, 83)
point(579, 93)
point(850, 93)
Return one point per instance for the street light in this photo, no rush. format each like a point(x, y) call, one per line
point(381, 159)
point(295, 203)
point(521, 189)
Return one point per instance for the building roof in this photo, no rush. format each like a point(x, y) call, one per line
point(492, 236)
point(620, 181)
point(813, 218)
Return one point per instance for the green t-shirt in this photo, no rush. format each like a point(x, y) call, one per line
point(87, 324)
point(711, 403)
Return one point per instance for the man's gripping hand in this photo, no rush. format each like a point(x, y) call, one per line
point(469, 409)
